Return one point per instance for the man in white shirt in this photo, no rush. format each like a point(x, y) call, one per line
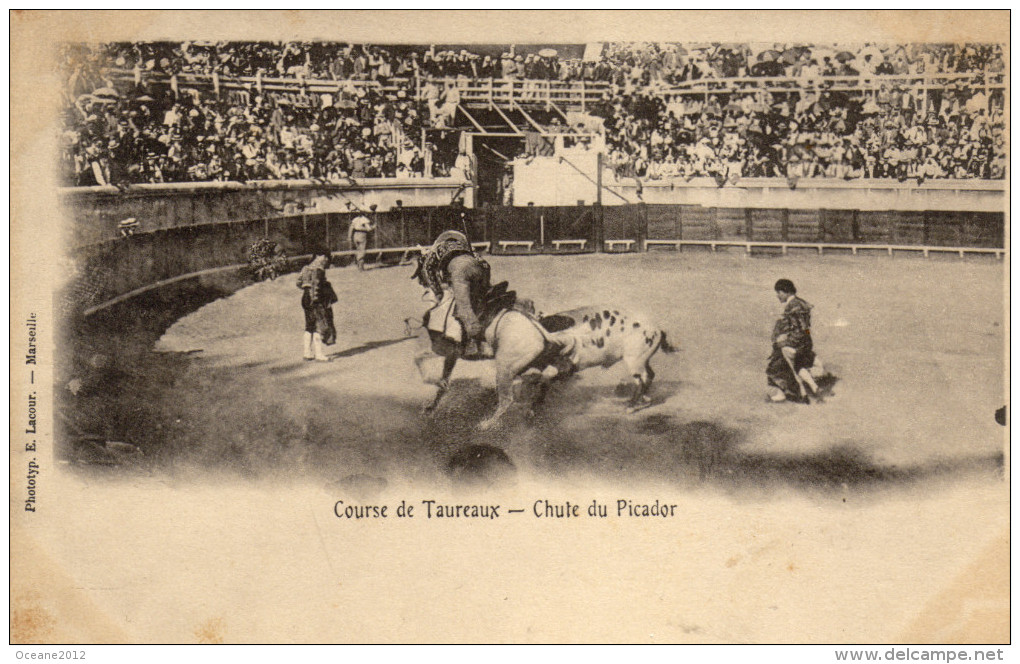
point(462, 167)
point(357, 235)
point(173, 116)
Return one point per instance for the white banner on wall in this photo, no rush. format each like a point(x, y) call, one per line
point(552, 181)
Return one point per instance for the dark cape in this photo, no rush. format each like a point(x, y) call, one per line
point(317, 300)
point(795, 323)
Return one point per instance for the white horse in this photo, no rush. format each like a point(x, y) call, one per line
point(557, 346)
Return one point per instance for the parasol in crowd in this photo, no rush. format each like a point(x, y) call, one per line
point(106, 93)
point(768, 68)
point(768, 56)
point(844, 56)
point(870, 108)
point(92, 99)
point(547, 53)
point(873, 51)
point(792, 55)
point(820, 107)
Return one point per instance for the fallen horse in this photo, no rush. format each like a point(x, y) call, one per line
point(549, 347)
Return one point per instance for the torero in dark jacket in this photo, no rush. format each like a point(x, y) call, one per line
point(317, 300)
point(451, 261)
point(793, 352)
point(469, 277)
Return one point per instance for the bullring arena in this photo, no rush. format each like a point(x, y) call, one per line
point(877, 514)
point(914, 401)
point(904, 458)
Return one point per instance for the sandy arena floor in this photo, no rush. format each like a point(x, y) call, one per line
point(873, 517)
point(917, 347)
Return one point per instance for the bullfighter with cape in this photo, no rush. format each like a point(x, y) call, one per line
point(317, 300)
point(789, 368)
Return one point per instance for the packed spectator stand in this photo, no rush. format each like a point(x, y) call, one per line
point(244, 111)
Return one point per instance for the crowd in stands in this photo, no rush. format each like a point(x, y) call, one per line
point(153, 133)
point(656, 64)
point(152, 130)
point(328, 60)
point(829, 134)
point(646, 63)
point(246, 137)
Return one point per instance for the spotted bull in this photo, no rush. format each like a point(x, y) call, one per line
point(559, 345)
point(594, 336)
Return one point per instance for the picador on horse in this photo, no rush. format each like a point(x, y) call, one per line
point(473, 320)
point(460, 282)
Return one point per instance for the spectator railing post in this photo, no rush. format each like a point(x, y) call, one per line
point(403, 223)
point(599, 217)
point(533, 221)
point(492, 226)
point(304, 234)
point(424, 149)
point(748, 224)
point(786, 224)
point(642, 223)
point(375, 224)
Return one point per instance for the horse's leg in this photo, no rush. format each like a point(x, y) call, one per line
point(505, 390)
point(442, 385)
point(545, 379)
point(411, 325)
point(517, 346)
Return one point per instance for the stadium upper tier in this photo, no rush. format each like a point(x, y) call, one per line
point(200, 111)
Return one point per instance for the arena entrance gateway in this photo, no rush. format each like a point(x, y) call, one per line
point(498, 125)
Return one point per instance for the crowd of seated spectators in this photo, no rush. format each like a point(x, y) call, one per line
point(152, 133)
point(894, 133)
point(194, 138)
point(656, 64)
point(646, 63)
point(322, 60)
point(159, 131)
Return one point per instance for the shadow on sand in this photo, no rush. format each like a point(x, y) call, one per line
point(371, 345)
point(179, 414)
point(661, 447)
